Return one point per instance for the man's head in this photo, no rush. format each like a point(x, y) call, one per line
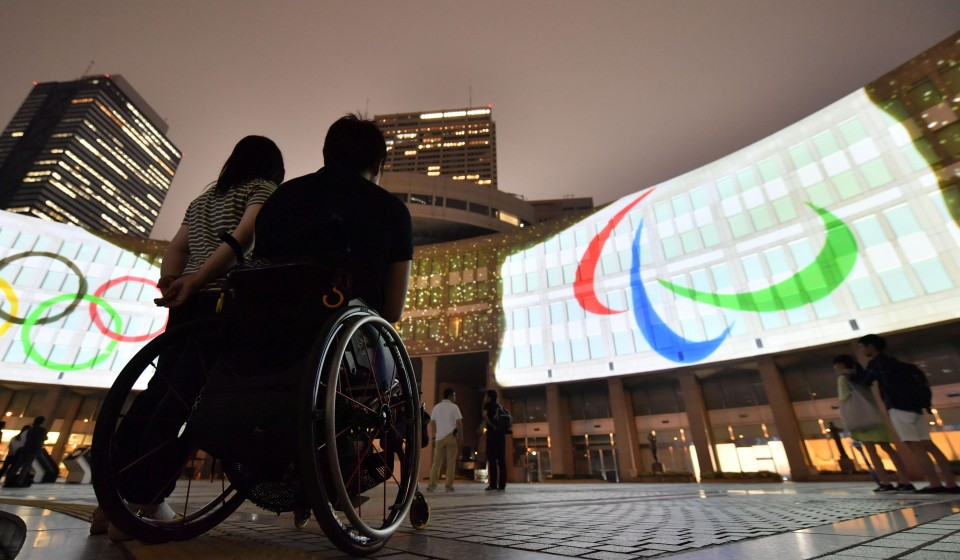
point(491, 395)
point(357, 144)
point(449, 394)
point(39, 420)
point(871, 345)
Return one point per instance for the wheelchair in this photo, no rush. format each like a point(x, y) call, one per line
point(293, 397)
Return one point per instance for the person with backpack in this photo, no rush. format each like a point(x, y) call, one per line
point(497, 421)
point(906, 393)
point(862, 419)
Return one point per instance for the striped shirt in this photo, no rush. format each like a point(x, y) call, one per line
point(213, 212)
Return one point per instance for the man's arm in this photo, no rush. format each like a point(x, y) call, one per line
point(395, 291)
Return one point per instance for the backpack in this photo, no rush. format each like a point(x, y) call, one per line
point(502, 421)
point(912, 388)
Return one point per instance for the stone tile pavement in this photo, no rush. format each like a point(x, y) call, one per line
point(596, 521)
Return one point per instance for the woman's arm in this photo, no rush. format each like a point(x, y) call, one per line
point(221, 261)
point(174, 259)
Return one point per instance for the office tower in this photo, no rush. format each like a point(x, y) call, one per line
point(90, 152)
point(459, 144)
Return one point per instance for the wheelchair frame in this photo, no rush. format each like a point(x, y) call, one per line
point(351, 420)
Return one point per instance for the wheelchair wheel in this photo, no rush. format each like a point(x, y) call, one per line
point(360, 445)
point(141, 437)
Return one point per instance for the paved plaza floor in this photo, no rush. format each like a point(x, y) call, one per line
point(596, 521)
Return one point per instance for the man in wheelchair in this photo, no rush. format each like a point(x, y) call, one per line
point(322, 241)
point(344, 237)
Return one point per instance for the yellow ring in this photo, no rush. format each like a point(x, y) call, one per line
point(7, 290)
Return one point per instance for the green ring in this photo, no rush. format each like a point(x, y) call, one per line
point(34, 316)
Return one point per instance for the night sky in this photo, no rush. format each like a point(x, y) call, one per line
point(591, 98)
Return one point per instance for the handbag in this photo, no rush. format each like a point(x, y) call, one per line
point(859, 411)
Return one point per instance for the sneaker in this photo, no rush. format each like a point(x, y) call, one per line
point(450, 489)
point(885, 488)
point(906, 487)
point(933, 490)
point(489, 488)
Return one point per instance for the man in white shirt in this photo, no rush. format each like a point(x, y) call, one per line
point(447, 437)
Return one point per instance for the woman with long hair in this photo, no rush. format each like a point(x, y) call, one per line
point(194, 267)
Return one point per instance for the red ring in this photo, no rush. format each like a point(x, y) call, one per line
point(103, 328)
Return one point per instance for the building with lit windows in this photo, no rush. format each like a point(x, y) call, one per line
point(459, 144)
point(91, 153)
point(701, 314)
point(438, 163)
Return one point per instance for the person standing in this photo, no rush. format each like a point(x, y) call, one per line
point(862, 419)
point(447, 437)
point(194, 267)
point(20, 472)
point(903, 397)
point(496, 445)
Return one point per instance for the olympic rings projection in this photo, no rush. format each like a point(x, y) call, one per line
point(99, 322)
point(81, 289)
point(59, 312)
point(11, 296)
point(34, 319)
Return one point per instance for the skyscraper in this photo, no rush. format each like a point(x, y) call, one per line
point(90, 152)
point(459, 144)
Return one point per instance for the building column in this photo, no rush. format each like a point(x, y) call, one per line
point(70, 412)
point(48, 406)
point(625, 428)
point(699, 420)
point(785, 418)
point(561, 443)
point(428, 396)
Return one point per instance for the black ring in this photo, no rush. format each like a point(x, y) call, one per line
point(73, 304)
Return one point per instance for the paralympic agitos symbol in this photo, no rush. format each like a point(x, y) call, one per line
point(813, 282)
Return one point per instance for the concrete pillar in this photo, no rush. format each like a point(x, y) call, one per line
point(785, 418)
point(70, 410)
point(561, 442)
point(428, 389)
point(625, 429)
point(699, 420)
point(49, 403)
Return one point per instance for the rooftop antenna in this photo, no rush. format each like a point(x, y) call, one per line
point(366, 109)
point(86, 71)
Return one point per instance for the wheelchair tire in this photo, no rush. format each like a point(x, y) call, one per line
point(125, 416)
point(361, 405)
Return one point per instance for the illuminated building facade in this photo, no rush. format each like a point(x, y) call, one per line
point(435, 162)
point(459, 144)
point(90, 153)
point(703, 312)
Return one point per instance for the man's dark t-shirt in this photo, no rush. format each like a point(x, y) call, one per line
point(337, 218)
point(491, 409)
